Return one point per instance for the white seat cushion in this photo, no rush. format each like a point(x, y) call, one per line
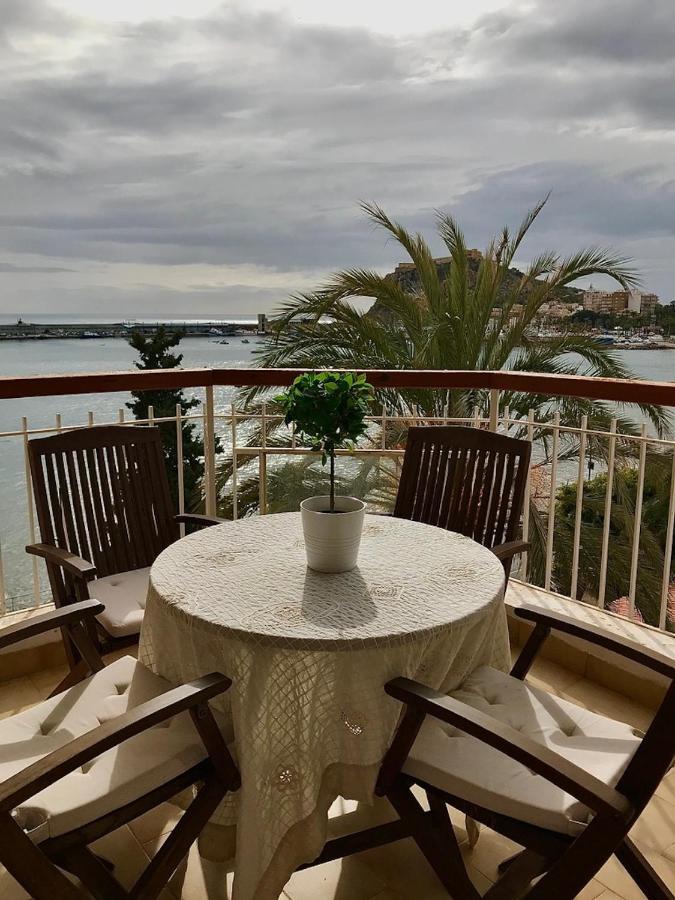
point(124, 597)
point(465, 767)
point(115, 778)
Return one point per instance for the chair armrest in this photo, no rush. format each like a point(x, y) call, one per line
point(546, 619)
point(509, 549)
point(83, 749)
point(566, 775)
point(198, 519)
point(70, 562)
point(57, 618)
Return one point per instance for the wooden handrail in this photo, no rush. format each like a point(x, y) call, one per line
point(612, 389)
point(102, 382)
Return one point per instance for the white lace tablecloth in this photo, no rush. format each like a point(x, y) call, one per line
point(309, 655)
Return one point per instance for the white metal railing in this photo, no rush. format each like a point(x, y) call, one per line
point(551, 468)
point(35, 587)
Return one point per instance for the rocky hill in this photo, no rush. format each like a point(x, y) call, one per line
point(406, 275)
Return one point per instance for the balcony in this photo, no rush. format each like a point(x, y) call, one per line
point(246, 450)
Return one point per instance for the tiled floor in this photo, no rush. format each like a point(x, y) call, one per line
point(396, 872)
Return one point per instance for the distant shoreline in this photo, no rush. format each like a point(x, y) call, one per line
point(215, 329)
point(38, 331)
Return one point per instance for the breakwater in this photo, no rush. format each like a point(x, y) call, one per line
point(38, 331)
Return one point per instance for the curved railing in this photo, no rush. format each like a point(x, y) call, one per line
point(224, 422)
point(612, 389)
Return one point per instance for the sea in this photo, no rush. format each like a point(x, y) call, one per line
point(114, 354)
point(73, 355)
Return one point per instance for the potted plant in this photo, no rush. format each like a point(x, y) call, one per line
point(329, 411)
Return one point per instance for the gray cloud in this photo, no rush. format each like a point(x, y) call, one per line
point(246, 138)
point(33, 17)
point(33, 270)
point(609, 58)
point(588, 202)
point(618, 31)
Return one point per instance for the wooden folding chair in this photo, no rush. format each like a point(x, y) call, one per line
point(466, 480)
point(564, 783)
point(104, 509)
point(98, 754)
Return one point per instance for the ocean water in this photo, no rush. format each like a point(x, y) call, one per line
point(51, 357)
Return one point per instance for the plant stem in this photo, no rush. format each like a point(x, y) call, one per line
point(332, 479)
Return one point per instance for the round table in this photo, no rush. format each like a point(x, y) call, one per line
point(309, 655)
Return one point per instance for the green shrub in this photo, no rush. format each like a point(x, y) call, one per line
point(329, 411)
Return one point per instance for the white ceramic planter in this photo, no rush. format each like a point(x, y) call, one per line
point(332, 539)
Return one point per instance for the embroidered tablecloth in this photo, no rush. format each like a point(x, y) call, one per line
point(309, 655)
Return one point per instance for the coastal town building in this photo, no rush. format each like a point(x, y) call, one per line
point(648, 303)
point(557, 310)
point(617, 303)
point(515, 312)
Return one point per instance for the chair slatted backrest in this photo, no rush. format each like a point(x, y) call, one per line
point(103, 493)
point(464, 479)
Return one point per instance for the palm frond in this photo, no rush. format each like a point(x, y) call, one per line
point(417, 249)
point(591, 262)
point(524, 227)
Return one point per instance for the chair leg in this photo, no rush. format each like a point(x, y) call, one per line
point(642, 873)
point(108, 863)
point(177, 845)
point(505, 864)
point(519, 875)
point(436, 839)
point(94, 874)
point(472, 831)
point(72, 655)
point(34, 871)
point(360, 841)
point(572, 870)
point(75, 675)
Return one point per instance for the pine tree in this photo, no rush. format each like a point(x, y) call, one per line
point(154, 353)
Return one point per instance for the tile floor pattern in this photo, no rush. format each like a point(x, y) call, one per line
point(396, 872)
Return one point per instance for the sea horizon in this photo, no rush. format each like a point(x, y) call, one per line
point(44, 318)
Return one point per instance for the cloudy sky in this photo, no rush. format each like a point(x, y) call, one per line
point(186, 157)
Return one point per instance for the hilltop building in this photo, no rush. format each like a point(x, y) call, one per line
point(406, 273)
point(618, 303)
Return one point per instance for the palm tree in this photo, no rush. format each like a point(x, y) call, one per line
point(459, 322)
point(472, 319)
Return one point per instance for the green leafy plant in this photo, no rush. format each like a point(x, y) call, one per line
point(652, 536)
point(329, 411)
